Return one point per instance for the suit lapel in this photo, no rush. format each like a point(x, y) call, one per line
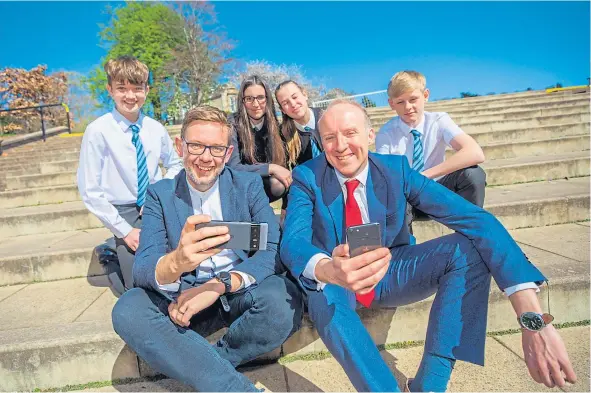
point(332, 196)
point(182, 200)
point(377, 197)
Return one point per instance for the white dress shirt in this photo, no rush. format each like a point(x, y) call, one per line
point(360, 195)
point(107, 171)
point(209, 202)
point(437, 130)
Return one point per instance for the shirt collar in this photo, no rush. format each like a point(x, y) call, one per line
point(203, 196)
point(123, 123)
point(258, 126)
point(311, 123)
point(361, 176)
point(406, 129)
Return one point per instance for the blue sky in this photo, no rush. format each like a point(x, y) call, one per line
point(479, 47)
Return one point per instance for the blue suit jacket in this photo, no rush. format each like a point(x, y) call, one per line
point(315, 217)
point(167, 207)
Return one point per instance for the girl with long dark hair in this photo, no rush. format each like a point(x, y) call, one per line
point(258, 146)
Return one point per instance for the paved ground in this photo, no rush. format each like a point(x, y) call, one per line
point(504, 370)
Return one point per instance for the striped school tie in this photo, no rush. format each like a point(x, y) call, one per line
point(418, 160)
point(142, 168)
point(315, 149)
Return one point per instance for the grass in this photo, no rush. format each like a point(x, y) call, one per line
point(321, 355)
point(102, 384)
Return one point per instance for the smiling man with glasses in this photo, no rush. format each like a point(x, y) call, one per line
point(181, 274)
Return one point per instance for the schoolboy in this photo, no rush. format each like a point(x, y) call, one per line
point(119, 157)
point(423, 137)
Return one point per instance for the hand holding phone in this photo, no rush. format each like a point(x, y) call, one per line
point(247, 236)
point(363, 238)
point(197, 246)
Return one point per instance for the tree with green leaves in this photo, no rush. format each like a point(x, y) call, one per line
point(179, 42)
point(368, 102)
point(148, 31)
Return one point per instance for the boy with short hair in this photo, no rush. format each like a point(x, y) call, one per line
point(423, 137)
point(119, 157)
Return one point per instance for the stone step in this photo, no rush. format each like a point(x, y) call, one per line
point(71, 341)
point(31, 220)
point(41, 180)
point(512, 115)
point(525, 114)
point(41, 158)
point(528, 134)
point(547, 147)
point(497, 100)
point(33, 149)
point(38, 196)
point(449, 106)
point(63, 252)
point(527, 205)
point(475, 125)
point(490, 109)
point(533, 122)
point(40, 168)
point(51, 256)
point(536, 168)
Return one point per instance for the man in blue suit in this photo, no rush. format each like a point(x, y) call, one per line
point(187, 288)
point(349, 186)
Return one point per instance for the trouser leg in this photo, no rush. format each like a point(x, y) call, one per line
point(260, 319)
point(340, 328)
point(469, 183)
point(126, 255)
point(141, 318)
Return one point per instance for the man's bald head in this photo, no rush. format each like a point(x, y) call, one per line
point(354, 104)
point(346, 133)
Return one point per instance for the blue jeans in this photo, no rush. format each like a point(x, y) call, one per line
point(260, 319)
point(449, 266)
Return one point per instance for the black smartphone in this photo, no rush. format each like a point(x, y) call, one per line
point(363, 238)
point(246, 236)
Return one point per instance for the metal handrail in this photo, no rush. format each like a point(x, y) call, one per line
point(40, 109)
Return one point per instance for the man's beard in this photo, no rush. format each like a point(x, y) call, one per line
point(204, 182)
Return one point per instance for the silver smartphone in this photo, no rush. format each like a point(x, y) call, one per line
point(247, 236)
point(363, 238)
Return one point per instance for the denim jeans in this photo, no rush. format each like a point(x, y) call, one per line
point(260, 319)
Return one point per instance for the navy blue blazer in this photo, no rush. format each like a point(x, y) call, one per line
point(315, 217)
point(167, 207)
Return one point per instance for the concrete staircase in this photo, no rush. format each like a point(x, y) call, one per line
point(55, 301)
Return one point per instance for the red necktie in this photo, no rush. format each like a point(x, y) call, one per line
point(353, 217)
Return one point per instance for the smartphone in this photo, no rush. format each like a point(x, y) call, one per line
point(363, 238)
point(247, 236)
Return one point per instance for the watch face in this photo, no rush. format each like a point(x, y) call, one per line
point(532, 321)
point(224, 275)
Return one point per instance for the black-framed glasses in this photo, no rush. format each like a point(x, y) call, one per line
point(250, 99)
point(198, 149)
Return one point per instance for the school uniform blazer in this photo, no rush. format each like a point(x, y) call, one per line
point(315, 217)
point(306, 143)
point(237, 160)
point(168, 205)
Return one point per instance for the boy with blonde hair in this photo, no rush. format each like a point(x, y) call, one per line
point(119, 157)
point(423, 137)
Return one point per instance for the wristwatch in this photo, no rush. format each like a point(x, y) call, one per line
point(226, 279)
point(534, 321)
